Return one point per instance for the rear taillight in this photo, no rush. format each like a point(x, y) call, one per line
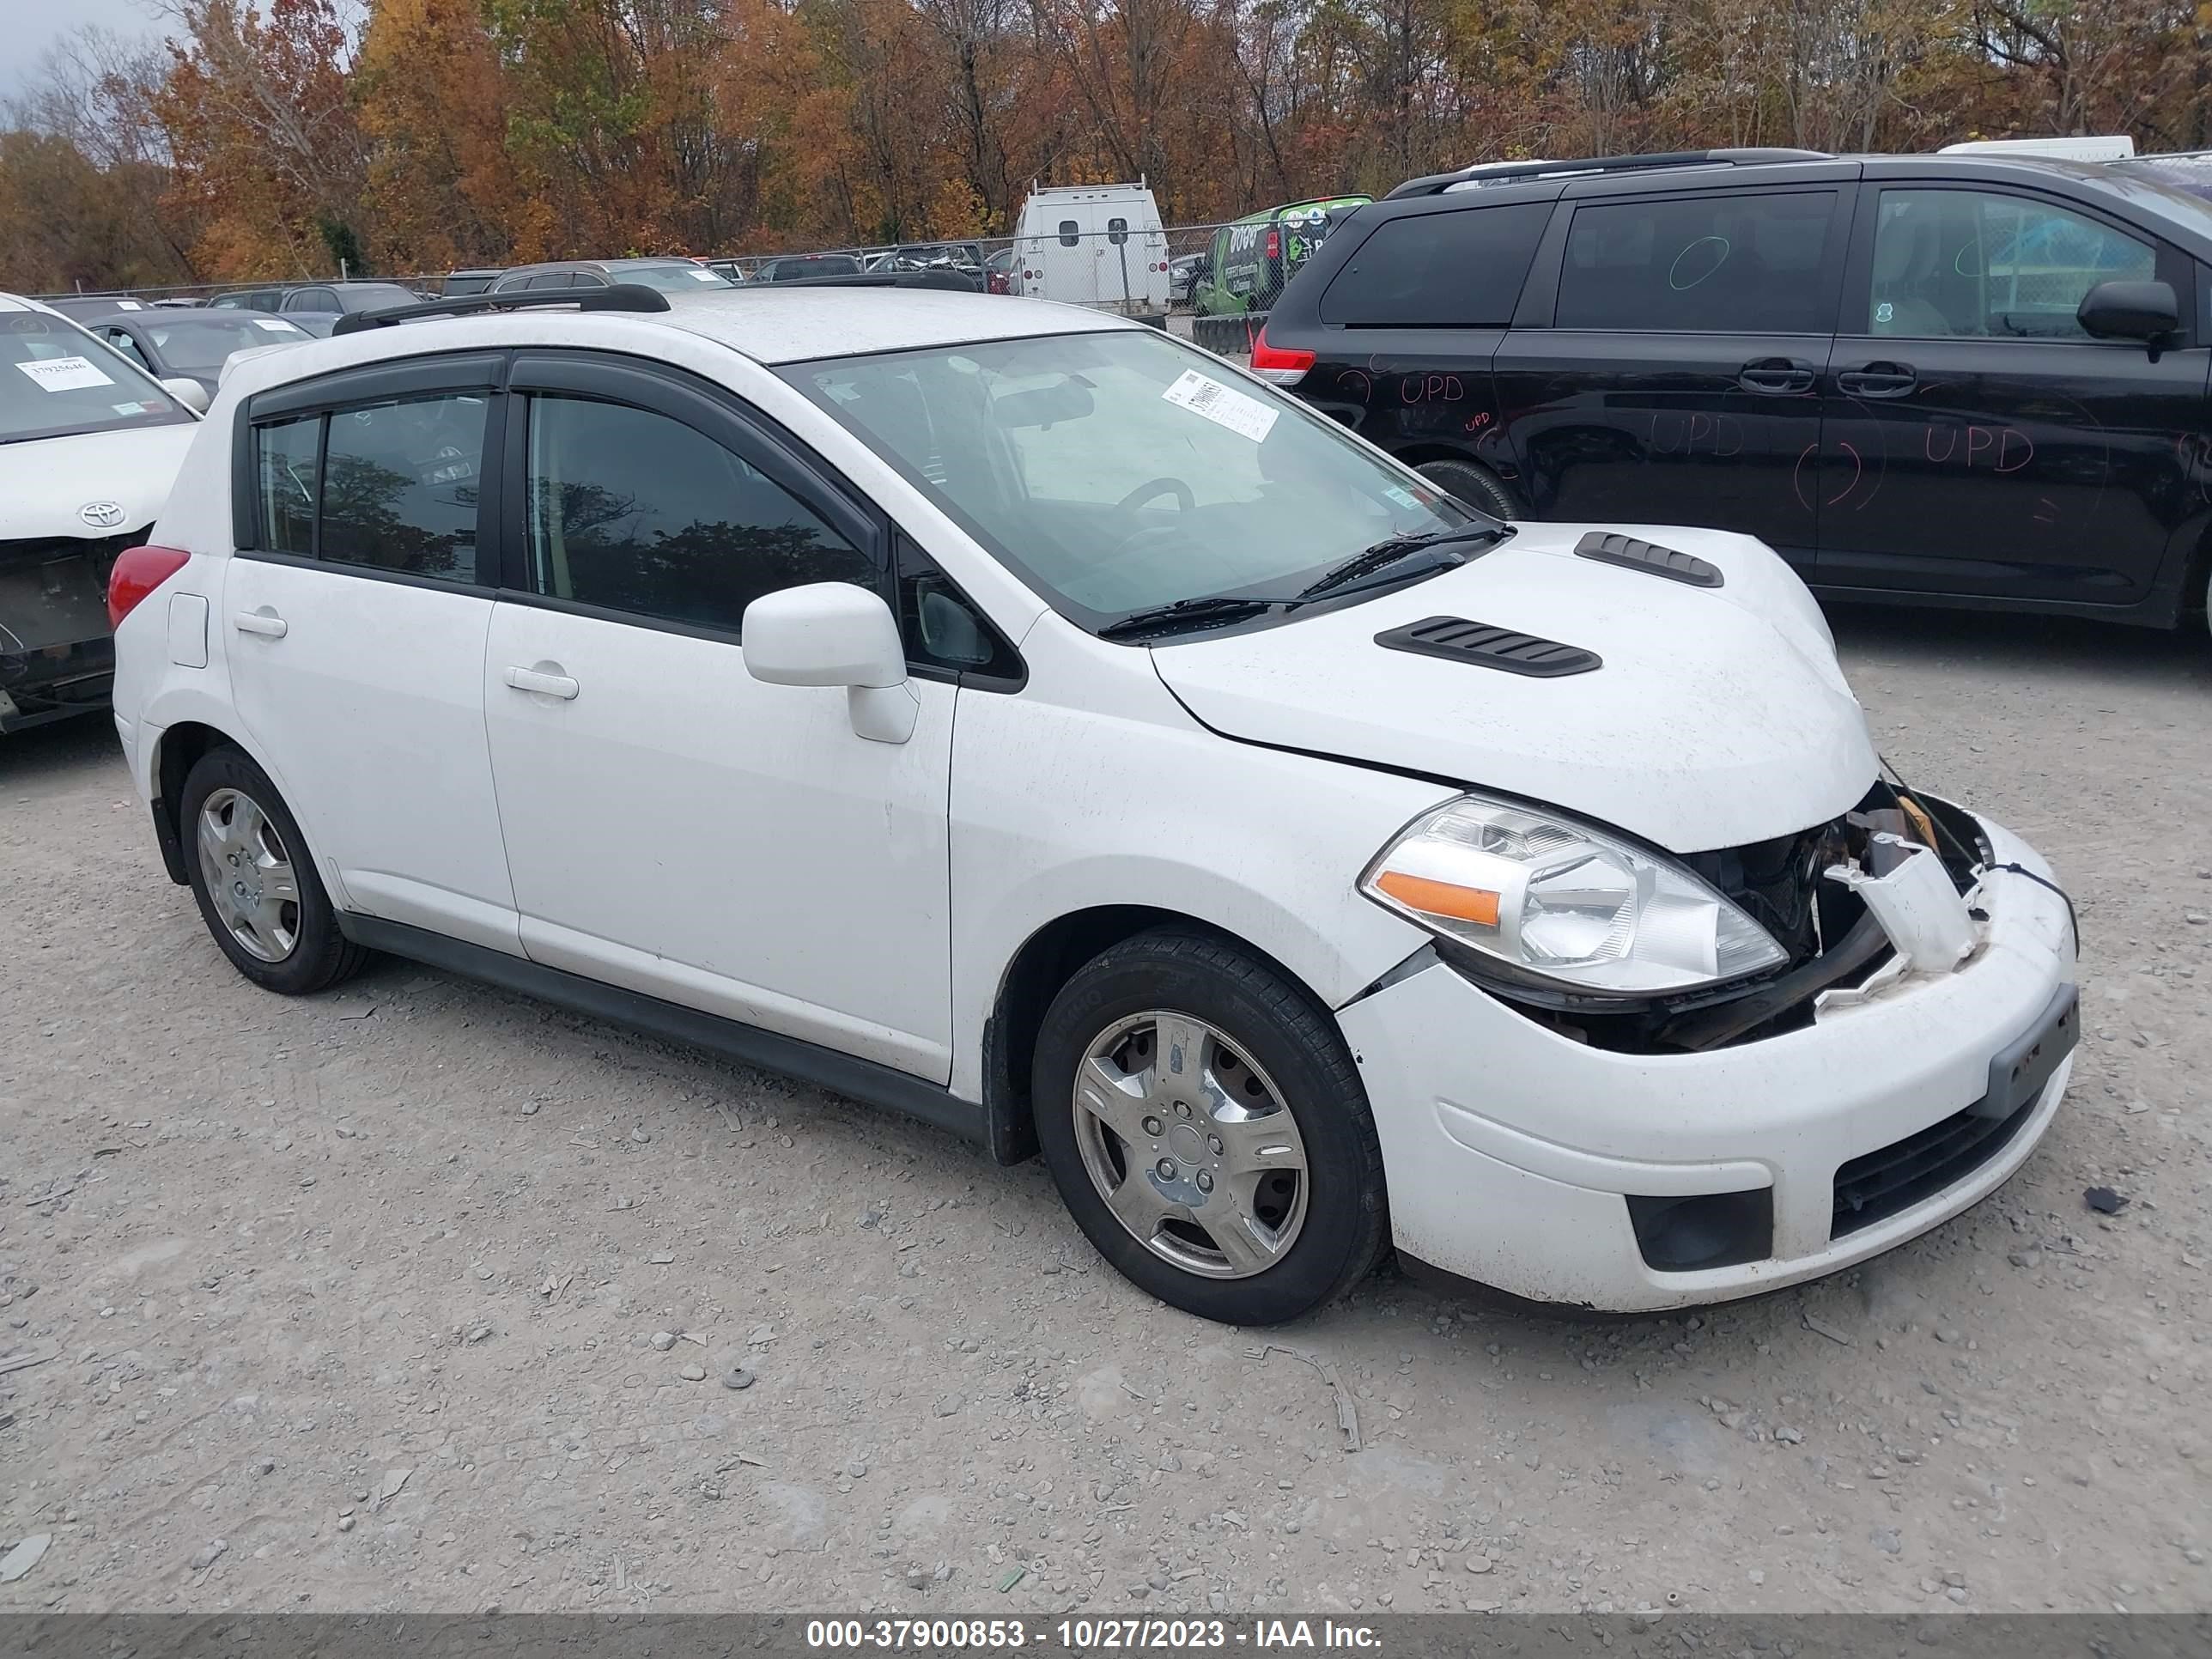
point(138, 571)
point(1284, 368)
point(1275, 249)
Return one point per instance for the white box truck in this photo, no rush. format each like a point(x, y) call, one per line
point(1093, 245)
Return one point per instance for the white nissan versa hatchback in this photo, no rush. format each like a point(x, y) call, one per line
point(1020, 719)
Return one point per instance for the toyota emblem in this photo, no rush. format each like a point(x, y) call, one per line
point(101, 515)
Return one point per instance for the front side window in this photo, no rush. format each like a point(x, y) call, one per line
point(312, 299)
point(1120, 470)
point(1070, 233)
point(129, 347)
point(399, 486)
point(632, 511)
point(1713, 263)
point(1986, 265)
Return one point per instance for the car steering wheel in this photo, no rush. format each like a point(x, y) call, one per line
point(1145, 492)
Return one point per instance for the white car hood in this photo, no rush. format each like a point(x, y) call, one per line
point(46, 483)
point(1719, 716)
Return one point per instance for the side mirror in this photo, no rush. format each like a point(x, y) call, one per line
point(835, 634)
point(189, 393)
point(2129, 311)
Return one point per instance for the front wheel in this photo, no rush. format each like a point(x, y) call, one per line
point(1208, 1130)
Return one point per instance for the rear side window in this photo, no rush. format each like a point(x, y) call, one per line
point(386, 486)
point(1704, 265)
point(1069, 236)
point(1117, 231)
point(289, 464)
point(1457, 270)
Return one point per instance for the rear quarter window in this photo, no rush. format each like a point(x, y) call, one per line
point(1462, 269)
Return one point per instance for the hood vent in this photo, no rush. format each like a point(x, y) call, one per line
point(1457, 640)
point(1608, 548)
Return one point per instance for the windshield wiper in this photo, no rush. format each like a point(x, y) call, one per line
point(1219, 610)
point(1389, 552)
point(1213, 611)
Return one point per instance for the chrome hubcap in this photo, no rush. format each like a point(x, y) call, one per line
point(1191, 1146)
point(249, 875)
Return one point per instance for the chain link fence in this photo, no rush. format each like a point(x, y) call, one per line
point(1213, 282)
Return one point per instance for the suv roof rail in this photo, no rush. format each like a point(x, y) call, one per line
point(622, 297)
point(1501, 172)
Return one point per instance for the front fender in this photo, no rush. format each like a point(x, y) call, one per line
point(1068, 831)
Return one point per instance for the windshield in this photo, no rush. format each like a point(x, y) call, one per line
point(57, 380)
point(674, 277)
point(812, 264)
point(371, 296)
point(203, 344)
point(1119, 471)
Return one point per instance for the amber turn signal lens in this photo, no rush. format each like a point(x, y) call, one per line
point(1440, 898)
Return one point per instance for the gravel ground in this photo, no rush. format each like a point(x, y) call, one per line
point(418, 1294)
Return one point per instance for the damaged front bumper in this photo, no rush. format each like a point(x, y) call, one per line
point(56, 658)
point(1561, 1171)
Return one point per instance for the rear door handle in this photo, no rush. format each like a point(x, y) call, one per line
point(550, 685)
point(1879, 381)
point(264, 621)
point(1775, 376)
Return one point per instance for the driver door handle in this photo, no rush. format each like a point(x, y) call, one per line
point(550, 685)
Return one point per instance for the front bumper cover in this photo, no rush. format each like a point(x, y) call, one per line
point(1510, 1150)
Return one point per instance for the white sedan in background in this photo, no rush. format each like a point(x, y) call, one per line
point(89, 443)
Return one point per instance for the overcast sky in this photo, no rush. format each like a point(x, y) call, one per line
point(29, 27)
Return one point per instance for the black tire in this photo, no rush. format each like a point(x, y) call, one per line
point(1476, 486)
point(320, 956)
point(1284, 1031)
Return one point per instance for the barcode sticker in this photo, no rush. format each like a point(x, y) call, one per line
point(65, 373)
point(1221, 405)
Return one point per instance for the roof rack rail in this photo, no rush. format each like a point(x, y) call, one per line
point(951, 281)
point(622, 297)
point(1506, 173)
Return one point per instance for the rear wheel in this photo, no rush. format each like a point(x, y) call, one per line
point(1477, 486)
point(255, 880)
point(1208, 1131)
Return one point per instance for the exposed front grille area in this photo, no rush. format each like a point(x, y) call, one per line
point(1878, 1184)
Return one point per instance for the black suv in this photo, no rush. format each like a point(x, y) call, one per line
point(1952, 379)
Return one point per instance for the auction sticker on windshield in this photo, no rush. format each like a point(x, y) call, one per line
point(65, 373)
point(1223, 406)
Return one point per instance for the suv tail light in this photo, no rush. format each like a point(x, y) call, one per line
point(1276, 363)
point(1274, 247)
point(138, 571)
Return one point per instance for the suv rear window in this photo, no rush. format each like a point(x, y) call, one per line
point(1715, 264)
point(1462, 269)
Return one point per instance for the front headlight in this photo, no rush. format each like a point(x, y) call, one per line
point(1558, 902)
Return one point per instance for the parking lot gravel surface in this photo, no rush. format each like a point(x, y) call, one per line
point(422, 1296)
